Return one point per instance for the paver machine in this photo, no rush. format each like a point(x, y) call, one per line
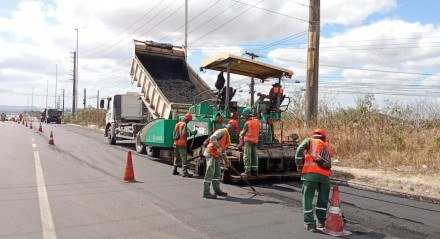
point(276, 155)
point(154, 69)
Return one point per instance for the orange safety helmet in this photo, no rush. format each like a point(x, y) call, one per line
point(320, 133)
point(189, 117)
point(235, 124)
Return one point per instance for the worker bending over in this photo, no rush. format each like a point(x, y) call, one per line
point(216, 149)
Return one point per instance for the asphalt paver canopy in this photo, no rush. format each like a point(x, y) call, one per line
point(244, 66)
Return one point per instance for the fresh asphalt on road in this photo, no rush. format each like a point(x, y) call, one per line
point(74, 190)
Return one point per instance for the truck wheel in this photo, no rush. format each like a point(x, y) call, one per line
point(152, 151)
point(140, 148)
point(111, 136)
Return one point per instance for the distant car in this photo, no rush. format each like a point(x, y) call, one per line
point(53, 115)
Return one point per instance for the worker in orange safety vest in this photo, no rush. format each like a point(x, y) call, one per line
point(180, 135)
point(313, 160)
point(249, 135)
point(216, 149)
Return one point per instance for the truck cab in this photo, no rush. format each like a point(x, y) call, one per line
point(51, 115)
point(126, 115)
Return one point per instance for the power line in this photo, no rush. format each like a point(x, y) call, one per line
point(137, 29)
point(230, 20)
point(134, 23)
point(192, 19)
point(362, 69)
point(271, 11)
point(212, 18)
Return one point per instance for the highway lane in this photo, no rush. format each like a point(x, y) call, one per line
point(88, 200)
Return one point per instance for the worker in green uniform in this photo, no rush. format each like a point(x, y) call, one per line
point(249, 135)
point(313, 161)
point(215, 150)
point(180, 135)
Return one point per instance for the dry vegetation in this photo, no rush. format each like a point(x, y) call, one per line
point(397, 137)
point(87, 117)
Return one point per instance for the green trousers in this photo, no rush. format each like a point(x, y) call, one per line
point(250, 157)
point(180, 154)
point(308, 192)
point(212, 174)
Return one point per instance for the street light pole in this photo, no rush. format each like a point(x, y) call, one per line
point(47, 91)
point(56, 84)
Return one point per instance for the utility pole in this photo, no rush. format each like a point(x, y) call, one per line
point(76, 70)
point(186, 27)
point(252, 89)
point(63, 102)
point(56, 82)
point(32, 102)
point(313, 62)
point(97, 100)
point(84, 101)
point(74, 84)
point(47, 92)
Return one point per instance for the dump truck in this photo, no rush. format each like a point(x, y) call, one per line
point(125, 116)
point(160, 71)
point(168, 86)
point(51, 115)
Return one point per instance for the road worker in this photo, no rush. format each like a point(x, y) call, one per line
point(180, 135)
point(216, 149)
point(313, 161)
point(276, 96)
point(249, 136)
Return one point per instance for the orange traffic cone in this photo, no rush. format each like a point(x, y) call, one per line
point(40, 129)
point(129, 172)
point(334, 223)
point(51, 139)
point(30, 125)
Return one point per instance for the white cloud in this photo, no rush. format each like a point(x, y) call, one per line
point(37, 35)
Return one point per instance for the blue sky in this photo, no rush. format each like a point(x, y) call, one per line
point(390, 36)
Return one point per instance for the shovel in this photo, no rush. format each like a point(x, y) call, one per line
point(236, 172)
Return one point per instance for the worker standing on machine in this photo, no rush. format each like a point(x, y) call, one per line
point(249, 136)
point(313, 161)
point(180, 135)
point(216, 149)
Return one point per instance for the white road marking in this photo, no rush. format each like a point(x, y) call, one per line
point(46, 215)
point(34, 145)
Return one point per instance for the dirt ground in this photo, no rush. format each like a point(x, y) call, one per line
point(426, 185)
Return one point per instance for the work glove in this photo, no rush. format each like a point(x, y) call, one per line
point(299, 168)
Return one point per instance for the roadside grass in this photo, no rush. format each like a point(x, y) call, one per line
point(87, 117)
point(397, 137)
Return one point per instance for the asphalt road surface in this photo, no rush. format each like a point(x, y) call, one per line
point(74, 190)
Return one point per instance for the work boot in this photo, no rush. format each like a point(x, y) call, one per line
point(321, 224)
point(254, 173)
point(175, 171)
point(245, 175)
point(209, 196)
point(310, 228)
point(187, 175)
point(219, 192)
